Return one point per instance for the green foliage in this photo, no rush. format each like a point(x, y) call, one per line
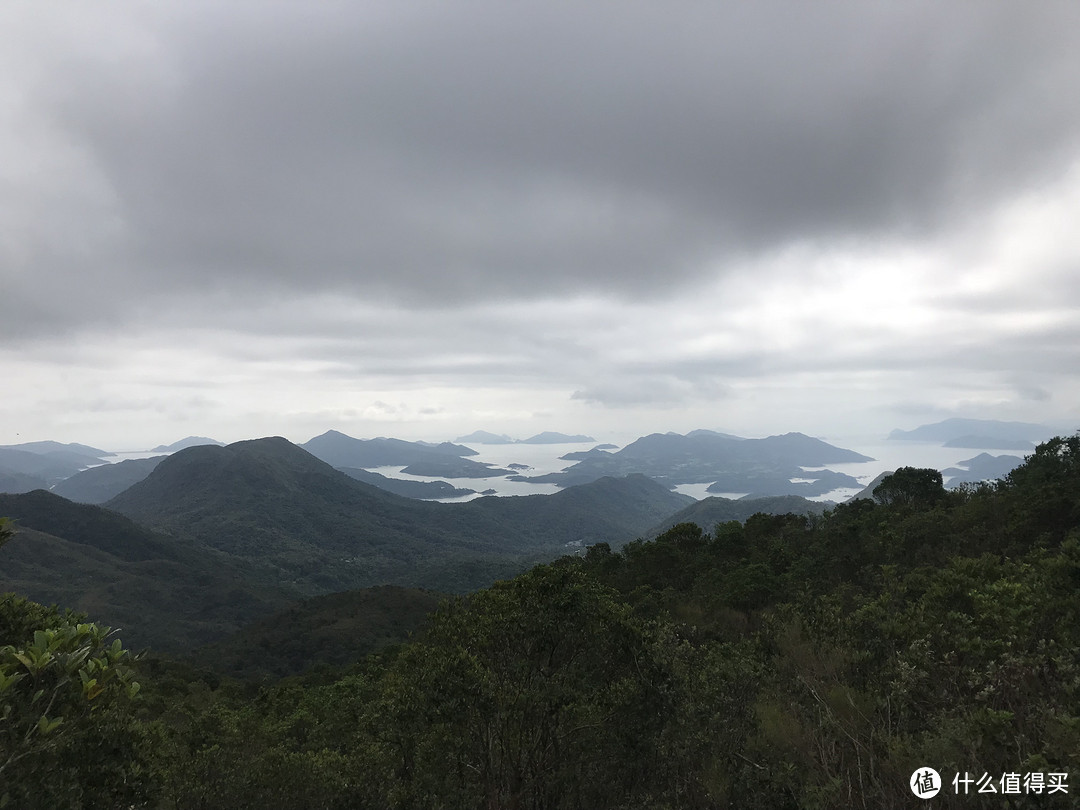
point(288, 747)
point(539, 692)
point(911, 487)
point(64, 737)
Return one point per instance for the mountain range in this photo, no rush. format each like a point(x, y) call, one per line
point(755, 467)
point(271, 501)
point(216, 536)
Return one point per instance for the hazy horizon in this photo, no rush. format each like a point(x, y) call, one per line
point(852, 441)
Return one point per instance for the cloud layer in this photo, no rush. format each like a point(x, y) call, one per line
point(683, 208)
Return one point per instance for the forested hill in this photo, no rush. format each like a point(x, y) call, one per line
point(163, 593)
point(332, 630)
point(789, 662)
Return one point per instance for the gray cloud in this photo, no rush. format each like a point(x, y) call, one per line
point(592, 202)
point(452, 153)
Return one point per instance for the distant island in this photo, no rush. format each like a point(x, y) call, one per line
point(47, 447)
point(984, 467)
point(764, 467)
point(483, 437)
point(550, 437)
point(546, 437)
point(184, 444)
point(454, 468)
point(340, 450)
point(978, 434)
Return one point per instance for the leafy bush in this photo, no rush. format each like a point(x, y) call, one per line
point(65, 737)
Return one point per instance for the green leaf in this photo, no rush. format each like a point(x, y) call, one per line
point(26, 661)
point(91, 689)
point(7, 681)
point(46, 726)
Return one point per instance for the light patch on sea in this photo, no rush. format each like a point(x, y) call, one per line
point(500, 485)
point(700, 492)
point(116, 458)
point(538, 459)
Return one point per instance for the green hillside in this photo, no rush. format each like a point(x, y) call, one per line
point(163, 594)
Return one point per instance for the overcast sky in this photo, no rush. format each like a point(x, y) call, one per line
point(418, 219)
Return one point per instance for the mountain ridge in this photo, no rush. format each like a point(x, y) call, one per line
point(705, 457)
point(275, 504)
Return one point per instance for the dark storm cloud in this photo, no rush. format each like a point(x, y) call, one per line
point(439, 153)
